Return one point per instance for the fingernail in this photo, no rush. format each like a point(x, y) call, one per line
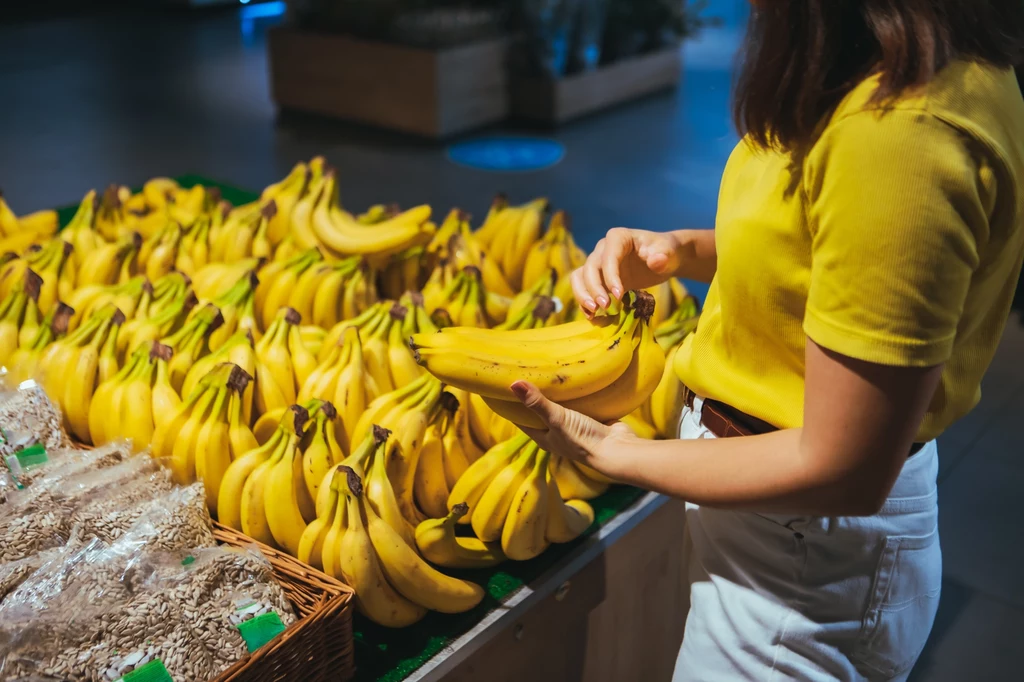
point(602, 301)
point(617, 292)
point(519, 389)
point(588, 304)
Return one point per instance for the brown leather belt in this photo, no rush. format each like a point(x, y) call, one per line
point(726, 421)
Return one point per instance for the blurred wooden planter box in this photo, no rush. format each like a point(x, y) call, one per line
point(559, 101)
point(432, 93)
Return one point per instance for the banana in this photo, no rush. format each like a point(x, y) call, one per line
point(379, 492)
point(472, 485)
point(438, 543)
point(638, 425)
point(190, 343)
point(556, 250)
point(356, 559)
point(344, 236)
point(284, 498)
point(286, 197)
point(276, 289)
point(524, 535)
point(566, 520)
point(492, 509)
point(213, 449)
point(253, 503)
point(431, 484)
point(402, 364)
point(560, 376)
point(572, 483)
point(165, 399)
point(411, 576)
point(276, 385)
point(82, 373)
point(24, 362)
point(410, 426)
point(311, 544)
point(616, 400)
point(320, 450)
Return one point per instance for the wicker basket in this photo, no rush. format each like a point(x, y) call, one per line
point(317, 647)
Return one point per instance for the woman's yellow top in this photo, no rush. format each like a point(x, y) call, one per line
point(897, 239)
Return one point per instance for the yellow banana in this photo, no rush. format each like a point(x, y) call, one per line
point(358, 562)
point(566, 520)
point(492, 509)
point(438, 543)
point(524, 534)
point(412, 577)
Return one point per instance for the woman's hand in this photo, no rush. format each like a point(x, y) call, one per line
point(625, 259)
point(571, 434)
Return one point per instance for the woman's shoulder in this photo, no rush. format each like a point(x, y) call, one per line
point(979, 101)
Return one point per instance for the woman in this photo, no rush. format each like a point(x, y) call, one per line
point(869, 237)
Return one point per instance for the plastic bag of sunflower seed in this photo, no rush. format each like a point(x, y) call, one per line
point(229, 597)
point(40, 517)
point(97, 616)
point(111, 511)
point(174, 521)
point(28, 410)
point(64, 463)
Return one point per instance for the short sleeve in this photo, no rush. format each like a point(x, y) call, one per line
point(896, 209)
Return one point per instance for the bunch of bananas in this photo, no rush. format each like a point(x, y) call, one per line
point(659, 416)
point(206, 433)
point(131, 403)
point(357, 537)
point(604, 369)
point(456, 243)
point(342, 379)
point(19, 316)
point(556, 250)
point(23, 363)
point(511, 496)
point(407, 412)
point(74, 366)
point(17, 233)
point(509, 233)
point(283, 363)
point(442, 461)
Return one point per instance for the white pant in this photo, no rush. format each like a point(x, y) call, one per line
point(777, 597)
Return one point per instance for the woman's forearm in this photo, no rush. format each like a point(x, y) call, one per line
point(773, 472)
point(698, 257)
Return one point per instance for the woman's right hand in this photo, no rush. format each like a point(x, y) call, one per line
point(625, 259)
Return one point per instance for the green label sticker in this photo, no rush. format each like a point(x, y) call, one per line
point(154, 671)
point(188, 560)
point(32, 456)
point(259, 630)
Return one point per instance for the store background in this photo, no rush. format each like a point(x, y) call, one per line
point(99, 92)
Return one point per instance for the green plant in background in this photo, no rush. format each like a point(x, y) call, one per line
point(638, 26)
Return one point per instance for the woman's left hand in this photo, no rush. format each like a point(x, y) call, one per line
point(571, 434)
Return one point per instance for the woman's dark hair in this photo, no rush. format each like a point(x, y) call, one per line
point(801, 57)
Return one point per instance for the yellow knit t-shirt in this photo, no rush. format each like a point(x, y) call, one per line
point(896, 239)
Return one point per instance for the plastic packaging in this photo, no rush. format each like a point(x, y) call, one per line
point(219, 589)
point(111, 511)
point(27, 410)
point(65, 463)
point(97, 616)
point(107, 609)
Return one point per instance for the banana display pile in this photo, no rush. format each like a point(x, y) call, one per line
point(338, 382)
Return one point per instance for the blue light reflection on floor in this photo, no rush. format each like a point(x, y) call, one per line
point(508, 154)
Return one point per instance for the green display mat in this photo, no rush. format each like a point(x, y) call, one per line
point(386, 655)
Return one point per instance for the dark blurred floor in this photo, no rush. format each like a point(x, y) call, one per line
point(124, 97)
